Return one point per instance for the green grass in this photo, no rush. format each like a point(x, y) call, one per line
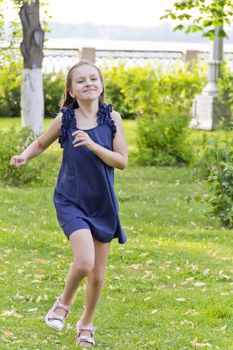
point(168, 288)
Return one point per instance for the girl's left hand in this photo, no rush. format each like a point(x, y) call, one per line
point(81, 138)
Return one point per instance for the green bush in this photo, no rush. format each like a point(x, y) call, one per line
point(54, 87)
point(224, 108)
point(162, 102)
point(39, 171)
point(162, 139)
point(114, 78)
point(218, 162)
point(10, 83)
point(53, 83)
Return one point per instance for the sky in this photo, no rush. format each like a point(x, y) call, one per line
point(138, 13)
point(125, 12)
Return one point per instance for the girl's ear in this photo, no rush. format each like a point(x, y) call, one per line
point(70, 93)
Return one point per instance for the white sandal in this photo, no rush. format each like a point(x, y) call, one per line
point(85, 340)
point(55, 321)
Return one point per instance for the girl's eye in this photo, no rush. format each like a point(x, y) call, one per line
point(94, 79)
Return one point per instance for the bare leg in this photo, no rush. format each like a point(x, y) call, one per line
point(83, 262)
point(95, 281)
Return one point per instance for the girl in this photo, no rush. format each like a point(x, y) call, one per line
point(92, 137)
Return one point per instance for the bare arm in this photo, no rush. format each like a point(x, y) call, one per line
point(40, 144)
point(118, 158)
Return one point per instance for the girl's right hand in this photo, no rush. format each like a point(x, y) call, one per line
point(18, 161)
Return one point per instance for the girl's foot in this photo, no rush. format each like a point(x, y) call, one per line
point(56, 316)
point(85, 335)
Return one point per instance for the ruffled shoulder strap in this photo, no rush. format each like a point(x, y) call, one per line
point(104, 117)
point(67, 117)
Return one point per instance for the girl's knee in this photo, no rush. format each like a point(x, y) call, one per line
point(84, 266)
point(97, 278)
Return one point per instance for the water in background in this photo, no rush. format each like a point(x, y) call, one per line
point(72, 43)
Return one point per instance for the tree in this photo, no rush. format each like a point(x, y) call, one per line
point(209, 14)
point(32, 100)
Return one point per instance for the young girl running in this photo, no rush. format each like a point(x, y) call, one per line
point(93, 143)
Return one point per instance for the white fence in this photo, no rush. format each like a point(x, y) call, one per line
point(58, 59)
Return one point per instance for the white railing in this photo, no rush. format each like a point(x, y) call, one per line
point(58, 59)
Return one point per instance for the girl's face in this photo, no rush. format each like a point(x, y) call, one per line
point(86, 84)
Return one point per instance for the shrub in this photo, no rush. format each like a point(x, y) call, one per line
point(54, 86)
point(162, 102)
point(224, 108)
point(162, 139)
point(10, 82)
point(218, 158)
point(39, 171)
point(114, 78)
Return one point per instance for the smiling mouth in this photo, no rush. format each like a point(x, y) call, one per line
point(89, 90)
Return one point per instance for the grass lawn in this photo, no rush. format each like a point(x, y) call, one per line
point(169, 288)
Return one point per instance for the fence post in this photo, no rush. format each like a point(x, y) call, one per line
point(190, 56)
point(88, 53)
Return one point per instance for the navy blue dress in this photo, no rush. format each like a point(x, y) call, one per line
point(84, 196)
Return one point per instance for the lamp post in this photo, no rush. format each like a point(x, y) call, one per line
point(204, 107)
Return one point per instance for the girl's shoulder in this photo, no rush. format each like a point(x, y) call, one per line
point(116, 116)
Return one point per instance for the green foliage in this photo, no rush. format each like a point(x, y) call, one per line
point(54, 87)
point(225, 98)
point(161, 101)
point(10, 100)
point(114, 78)
point(208, 16)
point(39, 171)
point(162, 138)
point(218, 164)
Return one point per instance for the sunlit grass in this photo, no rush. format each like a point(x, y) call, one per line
point(168, 288)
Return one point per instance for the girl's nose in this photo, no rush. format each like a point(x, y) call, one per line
point(88, 82)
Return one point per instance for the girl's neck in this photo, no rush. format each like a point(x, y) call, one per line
point(88, 108)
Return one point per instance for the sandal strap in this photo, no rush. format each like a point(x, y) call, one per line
point(53, 316)
point(86, 339)
point(62, 306)
point(86, 328)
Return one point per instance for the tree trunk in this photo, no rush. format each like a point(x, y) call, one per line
point(32, 99)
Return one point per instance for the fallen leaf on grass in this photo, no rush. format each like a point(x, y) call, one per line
point(188, 323)
point(43, 261)
point(162, 286)
point(32, 310)
point(192, 312)
point(194, 266)
point(7, 334)
point(154, 311)
point(38, 299)
point(181, 299)
point(222, 329)
point(195, 344)
point(10, 313)
point(136, 266)
point(144, 254)
point(222, 275)
point(199, 284)
point(150, 261)
point(148, 274)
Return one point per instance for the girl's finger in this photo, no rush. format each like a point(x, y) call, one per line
point(80, 144)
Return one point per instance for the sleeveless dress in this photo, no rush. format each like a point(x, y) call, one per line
point(84, 195)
